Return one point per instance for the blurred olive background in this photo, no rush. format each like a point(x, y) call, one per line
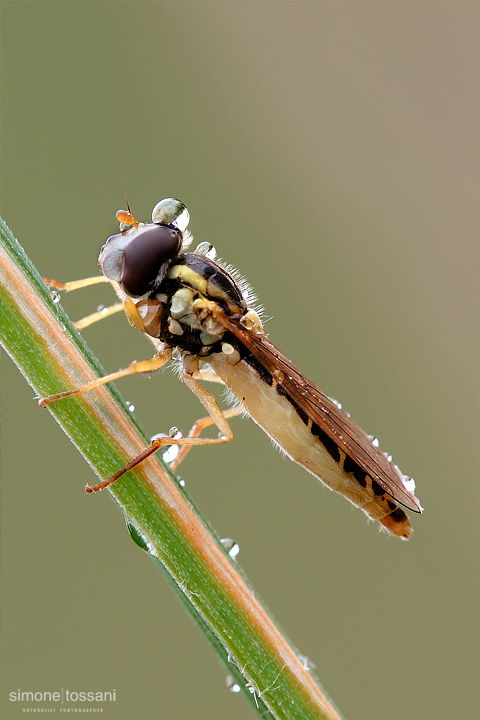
point(330, 152)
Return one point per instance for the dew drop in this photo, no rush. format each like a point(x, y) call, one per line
point(232, 547)
point(181, 482)
point(408, 483)
point(336, 403)
point(307, 663)
point(171, 211)
point(207, 249)
point(130, 406)
point(232, 684)
point(171, 453)
point(139, 538)
point(55, 296)
point(101, 308)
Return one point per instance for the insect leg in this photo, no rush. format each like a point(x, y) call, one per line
point(96, 316)
point(208, 375)
point(217, 417)
point(86, 282)
point(76, 284)
point(143, 366)
point(196, 430)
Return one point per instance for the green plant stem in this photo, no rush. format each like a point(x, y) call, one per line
point(53, 357)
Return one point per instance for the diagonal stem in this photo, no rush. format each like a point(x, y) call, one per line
point(53, 357)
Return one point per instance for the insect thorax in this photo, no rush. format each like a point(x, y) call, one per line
point(176, 310)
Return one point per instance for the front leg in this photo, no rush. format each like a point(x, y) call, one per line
point(143, 366)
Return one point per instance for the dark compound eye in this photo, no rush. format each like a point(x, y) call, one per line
point(146, 254)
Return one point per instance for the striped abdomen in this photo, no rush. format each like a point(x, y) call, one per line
point(308, 445)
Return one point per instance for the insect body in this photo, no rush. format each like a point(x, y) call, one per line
point(190, 303)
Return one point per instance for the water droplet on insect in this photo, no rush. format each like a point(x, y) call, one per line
point(232, 547)
point(175, 433)
point(55, 296)
point(171, 211)
point(207, 249)
point(374, 440)
point(388, 456)
point(232, 684)
point(408, 483)
point(335, 402)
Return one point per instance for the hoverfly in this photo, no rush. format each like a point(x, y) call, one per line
point(198, 310)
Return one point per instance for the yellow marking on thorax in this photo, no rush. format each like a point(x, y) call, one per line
point(189, 277)
point(203, 285)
